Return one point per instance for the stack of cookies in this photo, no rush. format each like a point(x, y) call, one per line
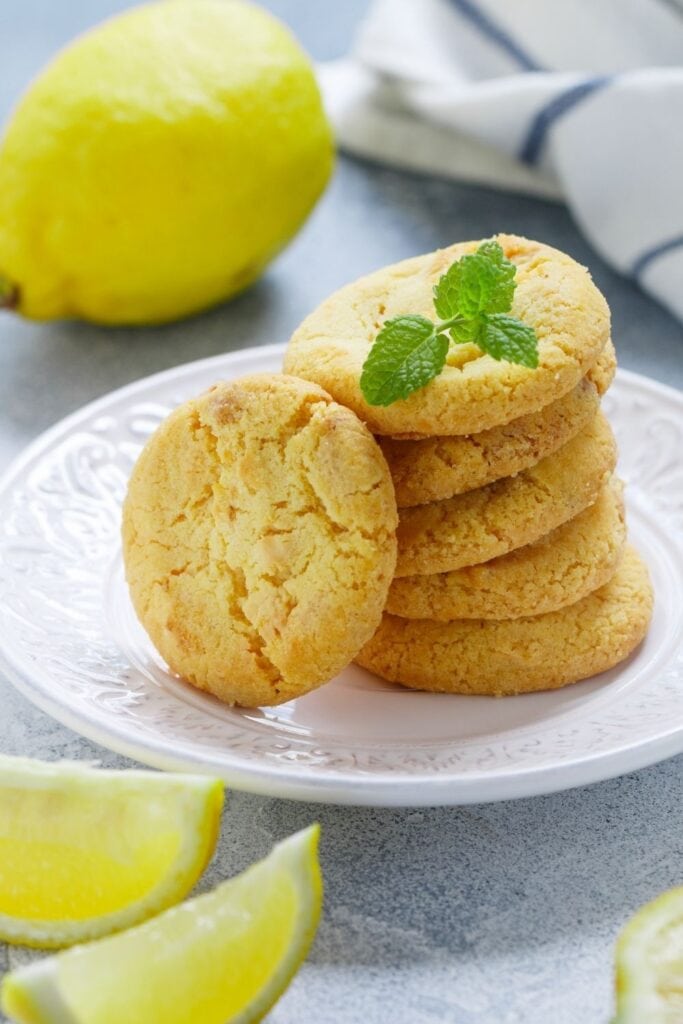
point(261, 539)
point(513, 572)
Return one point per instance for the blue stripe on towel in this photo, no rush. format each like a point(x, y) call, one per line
point(647, 257)
point(496, 33)
point(555, 109)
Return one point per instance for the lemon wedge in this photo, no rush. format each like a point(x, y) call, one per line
point(84, 852)
point(649, 963)
point(220, 958)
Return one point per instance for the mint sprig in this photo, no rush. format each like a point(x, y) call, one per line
point(473, 299)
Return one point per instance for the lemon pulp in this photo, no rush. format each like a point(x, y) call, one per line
point(83, 852)
point(219, 958)
point(649, 963)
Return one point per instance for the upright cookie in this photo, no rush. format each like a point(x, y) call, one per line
point(483, 524)
point(501, 658)
point(557, 570)
point(259, 538)
point(554, 295)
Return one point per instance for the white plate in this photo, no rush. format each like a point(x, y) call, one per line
point(71, 643)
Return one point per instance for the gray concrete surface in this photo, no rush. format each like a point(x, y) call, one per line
point(493, 914)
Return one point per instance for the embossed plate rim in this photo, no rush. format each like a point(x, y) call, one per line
point(314, 782)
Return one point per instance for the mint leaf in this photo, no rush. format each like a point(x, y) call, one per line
point(467, 331)
point(447, 291)
point(505, 337)
point(479, 282)
point(504, 270)
point(407, 353)
point(472, 299)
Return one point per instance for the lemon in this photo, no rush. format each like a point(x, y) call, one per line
point(649, 964)
point(219, 958)
point(158, 164)
point(84, 852)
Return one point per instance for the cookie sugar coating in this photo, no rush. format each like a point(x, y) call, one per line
point(559, 569)
point(501, 658)
point(554, 294)
point(259, 538)
point(483, 524)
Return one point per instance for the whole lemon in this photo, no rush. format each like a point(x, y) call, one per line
point(158, 164)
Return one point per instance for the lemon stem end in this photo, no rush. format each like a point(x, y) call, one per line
point(9, 294)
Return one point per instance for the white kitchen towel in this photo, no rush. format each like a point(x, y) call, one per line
point(580, 100)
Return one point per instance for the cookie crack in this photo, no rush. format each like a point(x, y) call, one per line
point(256, 643)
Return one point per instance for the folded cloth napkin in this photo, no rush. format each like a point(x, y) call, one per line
point(580, 100)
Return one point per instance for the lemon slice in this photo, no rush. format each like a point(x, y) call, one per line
point(221, 958)
point(84, 852)
point(649, 964)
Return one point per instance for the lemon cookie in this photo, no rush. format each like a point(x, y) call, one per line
point(601, 375)
point(511, 656)
point(440, 467)
point(557, 570)
point(603, 369)
point(554, 295)
point(429, 469)
point(259, 538)
point(483, 524)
